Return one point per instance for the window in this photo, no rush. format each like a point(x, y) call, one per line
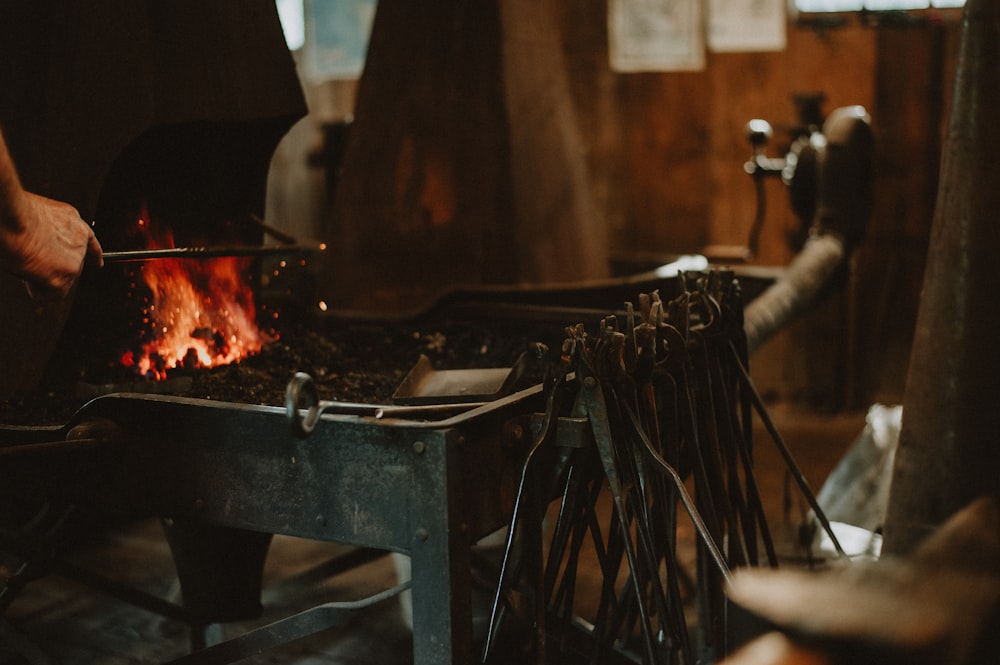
point(872, 5)
point(292, 22)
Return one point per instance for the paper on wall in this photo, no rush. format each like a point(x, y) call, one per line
point(746, 25)
point(655, 35)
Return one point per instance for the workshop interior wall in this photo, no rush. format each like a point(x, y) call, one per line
point(664, 155)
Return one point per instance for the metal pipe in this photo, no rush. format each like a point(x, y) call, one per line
point(798, 287)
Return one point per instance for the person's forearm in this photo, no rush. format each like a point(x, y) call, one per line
point(11, 192)
point(42, 240)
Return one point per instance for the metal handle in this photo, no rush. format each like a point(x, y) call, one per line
point(301, 393)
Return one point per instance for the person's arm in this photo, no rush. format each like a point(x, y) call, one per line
point(42, 240)
point(10, 186)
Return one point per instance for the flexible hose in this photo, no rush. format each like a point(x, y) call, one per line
point(795, 290)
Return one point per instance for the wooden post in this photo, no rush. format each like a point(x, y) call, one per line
point(464, 166)
point(948, 451)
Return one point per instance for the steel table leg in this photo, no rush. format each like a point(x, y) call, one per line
point(440, 559)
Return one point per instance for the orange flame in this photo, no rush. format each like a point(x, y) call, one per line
point(199, 313)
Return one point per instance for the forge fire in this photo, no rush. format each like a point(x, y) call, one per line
point(196, 313)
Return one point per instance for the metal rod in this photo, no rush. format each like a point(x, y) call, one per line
point(779, 442)
point(284, 631)
point(280, 236)
point(204, 252)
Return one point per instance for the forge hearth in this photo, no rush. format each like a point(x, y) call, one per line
point(349, 361)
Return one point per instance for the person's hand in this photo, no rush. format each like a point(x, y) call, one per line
point(48, 244)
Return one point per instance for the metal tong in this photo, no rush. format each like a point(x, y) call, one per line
point(205, 252)
point(288, 246)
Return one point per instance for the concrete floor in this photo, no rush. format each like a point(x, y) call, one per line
point(58, 621)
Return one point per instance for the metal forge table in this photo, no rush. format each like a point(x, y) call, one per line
point(425, 488)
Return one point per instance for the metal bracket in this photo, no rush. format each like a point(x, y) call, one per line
point(304, 624)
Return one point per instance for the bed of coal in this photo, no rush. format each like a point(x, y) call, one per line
point(349, 361)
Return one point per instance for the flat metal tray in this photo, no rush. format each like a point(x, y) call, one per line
point(426, 385)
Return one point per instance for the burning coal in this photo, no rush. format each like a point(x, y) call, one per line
point(196, 313)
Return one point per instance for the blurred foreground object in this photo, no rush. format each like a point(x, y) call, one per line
point(938, 606)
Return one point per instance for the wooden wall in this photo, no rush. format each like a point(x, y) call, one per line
point(664, 157)
point(666, 154)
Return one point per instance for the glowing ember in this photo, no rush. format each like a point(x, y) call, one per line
point(199, 313)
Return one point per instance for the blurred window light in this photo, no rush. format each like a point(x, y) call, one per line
point(337, 33)
point(889, 5)
point(829, 5)
point(292, 22)
point(873, 5)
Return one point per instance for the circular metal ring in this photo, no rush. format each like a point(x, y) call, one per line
point(301, 394)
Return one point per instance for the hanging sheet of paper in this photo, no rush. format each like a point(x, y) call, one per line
point(746, 25)
point(655, 35)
